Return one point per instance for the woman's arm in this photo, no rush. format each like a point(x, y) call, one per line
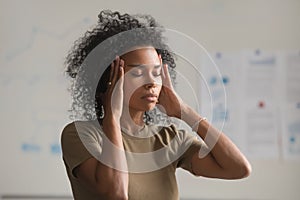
point(220, 158)
point(109, 182)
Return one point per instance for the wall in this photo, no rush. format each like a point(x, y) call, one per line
point(35, 37)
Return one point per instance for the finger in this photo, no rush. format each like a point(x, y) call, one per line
point(162, 70)
point(117, 93)
point(121, 73)
point(115, 70)
point(160, 59)
point(121, 63)
point(166, 76)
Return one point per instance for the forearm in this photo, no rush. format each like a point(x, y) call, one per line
point(223, 150)
point(112, 175)
point(111, 183)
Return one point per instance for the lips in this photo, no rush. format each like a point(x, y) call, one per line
point(150, 97)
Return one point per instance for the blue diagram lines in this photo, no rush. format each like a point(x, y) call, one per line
point(37, 30)
point(34, 89)
point(294, 137)
point(30, 147)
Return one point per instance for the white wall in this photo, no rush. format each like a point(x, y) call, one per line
point(35, 37)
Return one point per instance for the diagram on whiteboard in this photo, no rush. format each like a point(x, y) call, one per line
point(35, 102)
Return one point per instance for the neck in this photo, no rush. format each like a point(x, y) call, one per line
point(132, 121)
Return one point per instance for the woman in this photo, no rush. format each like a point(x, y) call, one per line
point(118, 152)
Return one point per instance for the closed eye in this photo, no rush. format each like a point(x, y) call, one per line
point(139, 70)
point(137, 74)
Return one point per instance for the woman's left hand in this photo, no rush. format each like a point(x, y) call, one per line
point(169, 101)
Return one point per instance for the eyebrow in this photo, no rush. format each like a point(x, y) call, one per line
point(143, 65)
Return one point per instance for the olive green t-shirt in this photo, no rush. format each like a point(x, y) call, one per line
point(152, 155)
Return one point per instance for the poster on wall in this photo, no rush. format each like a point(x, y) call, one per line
point(291, 105)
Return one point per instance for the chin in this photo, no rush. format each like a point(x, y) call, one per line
point(142, 106)
point(149, 107)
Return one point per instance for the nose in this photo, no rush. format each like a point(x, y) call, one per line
point(150, 85)
point(150, 82)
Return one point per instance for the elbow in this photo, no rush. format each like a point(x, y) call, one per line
point(244, 171)
point(238, 172)
point(247, 170)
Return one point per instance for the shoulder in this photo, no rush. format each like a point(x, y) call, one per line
point(81, 129)
point(81, 125)
point(82, 136)
point(68, 131)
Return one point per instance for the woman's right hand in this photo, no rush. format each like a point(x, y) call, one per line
point(108, 177)
point(113, 97)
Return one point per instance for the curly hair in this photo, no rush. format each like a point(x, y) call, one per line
point(116, 33)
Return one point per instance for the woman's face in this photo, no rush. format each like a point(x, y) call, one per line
point(142, 80)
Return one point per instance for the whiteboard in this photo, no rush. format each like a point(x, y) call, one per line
point(35, 38)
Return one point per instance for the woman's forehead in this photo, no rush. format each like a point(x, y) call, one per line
point(144, 65)
point(146, 55)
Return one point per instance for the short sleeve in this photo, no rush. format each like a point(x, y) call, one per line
point(78, 144)
point(185, 160)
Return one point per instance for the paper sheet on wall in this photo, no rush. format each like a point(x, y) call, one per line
point(260, 97)
point(220, 92)
point(291, 106)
